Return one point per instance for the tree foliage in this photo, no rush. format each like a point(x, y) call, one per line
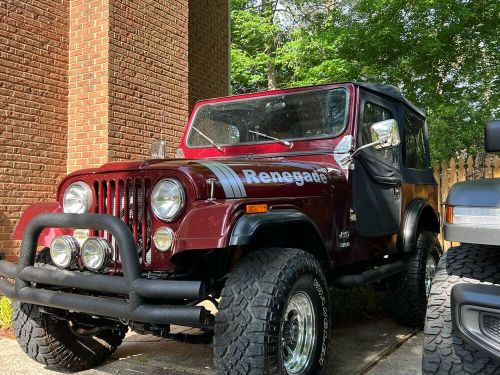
point(443, 54)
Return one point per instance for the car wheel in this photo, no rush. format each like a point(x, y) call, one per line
point(274, 315)
point(444, 351)
point(410, 290)
point(54, 342)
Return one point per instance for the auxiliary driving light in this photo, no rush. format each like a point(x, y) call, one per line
point(63, 251)
point(163, 238)
point(96, 253)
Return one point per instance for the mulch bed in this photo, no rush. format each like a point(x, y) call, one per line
point(7, 333)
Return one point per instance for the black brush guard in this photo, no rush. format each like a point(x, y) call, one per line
point(131, 283)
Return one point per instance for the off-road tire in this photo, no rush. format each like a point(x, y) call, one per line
point(253, 301)
point(51, 341)
point(408, 292)
point(444, 351)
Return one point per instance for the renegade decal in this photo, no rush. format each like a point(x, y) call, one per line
point(230, 181)
point(299, 178)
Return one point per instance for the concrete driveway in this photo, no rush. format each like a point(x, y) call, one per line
point(375, 348)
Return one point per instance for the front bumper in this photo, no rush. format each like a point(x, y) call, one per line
point(467, 233)
point(130, 292)
point(475, 311)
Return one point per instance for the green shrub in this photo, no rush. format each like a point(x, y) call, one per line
point(5, 312)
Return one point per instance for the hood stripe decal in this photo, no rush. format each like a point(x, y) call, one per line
point(236, 181)
point(224, 181)
point(231, 183)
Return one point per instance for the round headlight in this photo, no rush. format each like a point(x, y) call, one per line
point(96, 253)
point(63, 250)
point(167, 199)
point(77, 198)
point(163, 238)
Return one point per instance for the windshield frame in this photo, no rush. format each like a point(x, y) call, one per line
point(267, 142)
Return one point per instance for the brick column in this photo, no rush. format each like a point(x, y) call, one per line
point(88, 84)
point(208, 49)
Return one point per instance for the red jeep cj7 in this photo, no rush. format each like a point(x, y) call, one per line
point(272, 197)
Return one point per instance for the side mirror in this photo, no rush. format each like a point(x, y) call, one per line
point(492, 136)
point(385, 134)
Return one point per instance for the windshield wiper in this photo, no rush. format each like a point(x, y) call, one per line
point(207, 138)
point(282, 141)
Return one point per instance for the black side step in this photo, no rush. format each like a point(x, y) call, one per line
point(374, 274)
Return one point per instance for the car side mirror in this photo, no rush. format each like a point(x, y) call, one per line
point(385, 134)
point(492, 136)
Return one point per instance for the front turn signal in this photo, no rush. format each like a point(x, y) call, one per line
point(256, 208)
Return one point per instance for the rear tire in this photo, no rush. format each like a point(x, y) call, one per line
point(272, 301)
point(410, 290)
point(53, 343)
point(444, 351)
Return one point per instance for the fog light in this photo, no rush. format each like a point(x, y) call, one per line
point(63, 251)
point(163, 238)
point(96, 253)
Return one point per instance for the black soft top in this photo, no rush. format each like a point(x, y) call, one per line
point(392, 92)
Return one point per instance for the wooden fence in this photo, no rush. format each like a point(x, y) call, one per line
point(449, 172)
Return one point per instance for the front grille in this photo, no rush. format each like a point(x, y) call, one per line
point(127, 199)
point(492, 325)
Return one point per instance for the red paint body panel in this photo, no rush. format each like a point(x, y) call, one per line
point(47, 234)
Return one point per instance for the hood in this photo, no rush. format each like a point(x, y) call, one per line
point(236, 179)
point(478, 193)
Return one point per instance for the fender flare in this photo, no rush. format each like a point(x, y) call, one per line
point(48, 234)
point(408, 234)
point(247, 226)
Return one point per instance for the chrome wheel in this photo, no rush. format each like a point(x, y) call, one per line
point(298, 334)
point(430, 271)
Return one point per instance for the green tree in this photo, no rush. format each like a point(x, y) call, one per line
point(442, 54)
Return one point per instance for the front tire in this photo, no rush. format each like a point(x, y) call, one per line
point(410, 290)
point(444, 351)
point(274, 315)
point(53, 342)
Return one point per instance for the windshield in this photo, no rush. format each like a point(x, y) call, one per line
point(290, 116)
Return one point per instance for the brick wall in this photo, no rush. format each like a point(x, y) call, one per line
point(33, 106)
point(88, 84)
point(83, 82)
point(208, 49)
point(148, 78)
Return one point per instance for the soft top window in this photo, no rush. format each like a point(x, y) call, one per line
point(290, 116)
point(414, 146)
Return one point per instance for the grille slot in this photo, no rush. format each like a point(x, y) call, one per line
point(127, 199)
point(491, 325)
